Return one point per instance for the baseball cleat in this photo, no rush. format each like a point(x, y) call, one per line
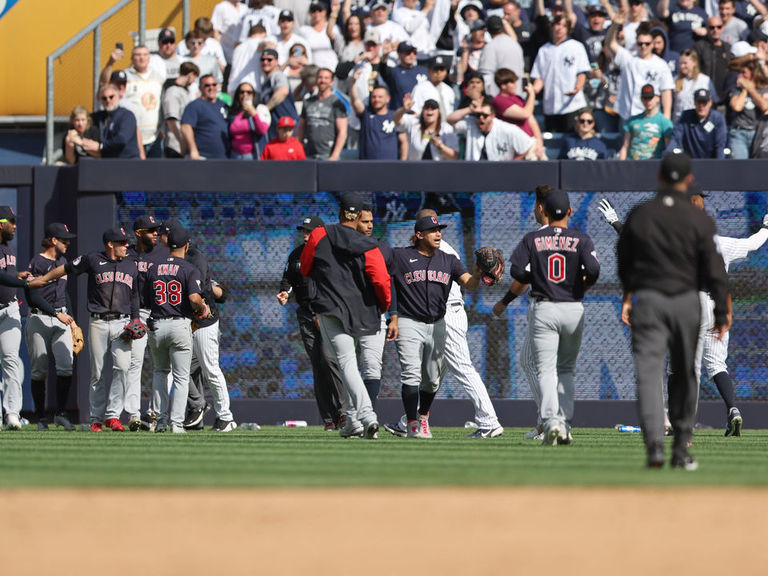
point(397, 429)
point(372, 431)
point(12, 422)
point(734, 422)
point(134, 424)
point(63, 421)
point(565, 440)
point(552, 436)
point(161, 428)
point(176, 429)
point(487, 432)
point(423, 427)
point(223, 425)
point(352, 431)
point(42, 426)
point(686, 462)
point(413, 429)
point(655, 456)
point(96, 427)
point(194, 417)
point(328, 426)
point(114, 424)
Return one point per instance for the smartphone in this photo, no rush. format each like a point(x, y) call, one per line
point(526, 81)
point(119, 45)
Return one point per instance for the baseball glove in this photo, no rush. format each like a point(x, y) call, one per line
point(491, 262)
point(134, 330)
point(77, 339)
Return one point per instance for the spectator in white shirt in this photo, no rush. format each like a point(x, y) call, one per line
point(226, 18)
point(319, 41)
point(435, 88)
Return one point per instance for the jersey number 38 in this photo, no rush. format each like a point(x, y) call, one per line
point(167, 292)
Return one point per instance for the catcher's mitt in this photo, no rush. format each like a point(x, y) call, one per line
point(77, 339)
point(491, 262)
point(134, 330)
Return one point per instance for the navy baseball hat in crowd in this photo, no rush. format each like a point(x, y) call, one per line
point(405, 48)
point(695, 190)
point(118, 77)
point(285, 15)
point(647, 91)
point(58, 230)
point(317, 7)
point(596, 11)
point(556, 204)
point(438, 62)
point(178, 236)
point(675, 166)
point(494, 25)
point(116, 234)
point(477, 25)
point(270, 52)
point(310, 223)
point(352, 202)
point(6, 214)
point(428, 223)
point(146, 222)
point(702, 95)
point(166, 36)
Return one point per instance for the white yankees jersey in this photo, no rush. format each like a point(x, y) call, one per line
point(504, 141)
point(635, 73)
point(733, 249)
point(558, 66)
point(442, 93)
point(455, 295)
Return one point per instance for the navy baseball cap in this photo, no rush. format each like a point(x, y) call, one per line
point(438, 62)
point(317, 6)
point(116, 234)
point(695, 190)
point(702, 95)
point(428, 223)
point(477, 25)
point(675, 167)
point(647, 91)
point(118, 77)
point(146, 222)
point(168, 224)
point(166, 36)
point(58, 230)
point(285, 15)
point(270, 52)
point(310, 223)
point(178, 236)
point(6, 213)
point(352, 202)
point(556, 204)
point(406, 47)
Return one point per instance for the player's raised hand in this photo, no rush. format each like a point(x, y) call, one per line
point(608, 212)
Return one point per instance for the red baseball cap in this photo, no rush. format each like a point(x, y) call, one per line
point(286, 122)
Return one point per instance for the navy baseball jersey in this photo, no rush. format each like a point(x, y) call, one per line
point(172, 281)
point(555, 262)
point(7, 265)
point(55, 293)
point(112, 284)
point(144, 261)
point(423, 283)
point(197, 258)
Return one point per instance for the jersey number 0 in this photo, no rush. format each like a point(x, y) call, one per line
point(556, 268)
point(169, 292)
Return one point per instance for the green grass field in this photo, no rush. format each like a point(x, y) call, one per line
point(309, 457)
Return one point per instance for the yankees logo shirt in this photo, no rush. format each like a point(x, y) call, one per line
point(112, 285)
point(378, 136)
point(635, 73)
point(7, 265)
point(558, 66)
point(172, 280)
point(555, 262)
point(504, 141)
point(402, 81)
point(55, 293)
point(423, 283)
point(682, 23)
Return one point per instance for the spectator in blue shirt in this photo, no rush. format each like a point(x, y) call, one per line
point(116, 126)
point(204, 123)
point(701, 132)
point(378, 130)
point(583, 143)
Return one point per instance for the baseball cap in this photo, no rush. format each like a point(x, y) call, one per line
point(557, 203)
point(116, 234)
point(352, 202)
point(494, 24)
point(362, 11)
point(637, 1)
point(760, 34)
point(270, 52)
point(675, 167)
point(145, 222)
point(647, 91)
point(428, 223)
point(474, 4)
point(702, 95)
point(166, 36)
point(477, 25)
point(286, 122)
point(741, 49)
point(596, 10)
point(285, 15)
point(372, 35)
point(178, 236)
point(316, 7)
point(310, 223)
point(406, 47)
point(555, 4)
point(6, 213)
point(58, 230)
point(379, 4)
point(118, 77)
point(168, 224)
point(438, 62)
point(695, 190)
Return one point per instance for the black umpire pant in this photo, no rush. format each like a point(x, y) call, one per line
point(661, 323)
point(325, 372)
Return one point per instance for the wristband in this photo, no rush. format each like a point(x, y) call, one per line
point(508, 297)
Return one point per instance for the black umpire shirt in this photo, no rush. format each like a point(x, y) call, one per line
point(667, 245)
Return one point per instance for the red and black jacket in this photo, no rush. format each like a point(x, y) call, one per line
point(350, 277)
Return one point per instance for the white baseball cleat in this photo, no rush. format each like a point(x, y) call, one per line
point(552, 436)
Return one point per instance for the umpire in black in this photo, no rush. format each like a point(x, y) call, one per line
point(326, 374)
point(666, 253)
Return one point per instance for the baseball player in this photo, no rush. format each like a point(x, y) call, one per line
point(560, 264)
point(205, 349)
point(325, 373)
point(177, 288)
point(113, 300)
point(352, 290)
point(146, 253)
point(459, 361)
point(527, 360)
point(422, 276)
point(46, 334)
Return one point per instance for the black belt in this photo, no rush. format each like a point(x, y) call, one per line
point(108, 316)
point(62, 310)
point(456, 304)
point(542, 299)
point(170, 318)
point(426, 319)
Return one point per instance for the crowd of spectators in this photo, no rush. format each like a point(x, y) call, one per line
point(440, 80)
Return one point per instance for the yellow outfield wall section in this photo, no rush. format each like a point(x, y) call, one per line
point(33, 29)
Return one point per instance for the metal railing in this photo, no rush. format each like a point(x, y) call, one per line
point(95, 29)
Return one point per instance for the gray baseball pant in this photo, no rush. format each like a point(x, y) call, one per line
point(528, 364)
point(355, 400)
point(46, 335)
point(326, 376)
point(555, 333)
point(133, 387)
point(420, 348)
point(104, 337)
point(171, 346)
point(205, 356)
point(661, 323)
point(13, 369)
point(372, 351)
